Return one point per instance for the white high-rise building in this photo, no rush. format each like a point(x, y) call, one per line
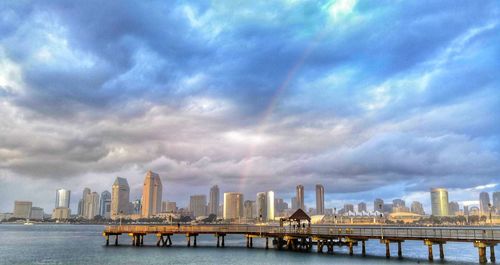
point(300, 197)
point(261, 204)
point(439, 202)
point(62, 198)
point(270, 205)
point(91, 205)
point(233, 205)
point(320, 199)
point(105, 205)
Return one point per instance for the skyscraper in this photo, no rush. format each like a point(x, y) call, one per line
point(320, 199)
point(378, 205)
point(120, 196)
point(233, 205)
point(453, 208)
point(294, 203)
point(249, 209)
point(484, 202)
point(361, 207)
point(261, 206)
point(22, 209)
point(91, 205)
point(300, 197)
point(62, 198)
point(439, 202)
point(496, 201)
point(213, 204)
point(151, 195)
point(105, 205)
point(198, 205)
point(83, 210)
point(417, 207)
point(270, 205)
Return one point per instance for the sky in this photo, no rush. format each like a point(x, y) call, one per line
point(368, 98)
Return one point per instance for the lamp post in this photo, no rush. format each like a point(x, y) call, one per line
point(490, 208)
point(381, 231)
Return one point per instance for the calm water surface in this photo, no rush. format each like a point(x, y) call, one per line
point(84, 244)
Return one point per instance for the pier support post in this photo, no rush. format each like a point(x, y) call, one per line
point(363, 248)
point(481, 247)
point(248, 242)
point(194, 243)
point(387, 250)
point(431, 256)
point(400, 251)
point(169, 241)
point(267, 242)
point(222, 241)
point(133, 240)
point(107, 240)
point(251, 242)
point(218, 243)
point(142, 240)
point(320, 246)
point(441, 251)
point(116, 240)
point(492, 253)
point(351, 251)
point(159, 241)
point(188, 240)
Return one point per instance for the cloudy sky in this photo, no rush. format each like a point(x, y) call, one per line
point(369, 98)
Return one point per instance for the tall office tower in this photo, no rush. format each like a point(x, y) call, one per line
point(169, 207)
point(83, 213)
point(280, 206)
point(36, 213)
point(136, 207)
point(233, 205)
point(295, 205)
point(105, 205)
point(484, 202)
point(417, 207)
point(198, 205)
point(213, 204)
point(80, 207)
point(300, 197)
point(151, 195)
point(22, 209)
point(261, 206)
point(270, 205)
point(120, 196)
point(398, 203)
point(91, 205)
point(249, 210)
point(378, 205)
point(453, 208)
point(466, 210)
point(62, 198)
point(439, 202)
point(362, 207)
point(348, 208)
point(496, 201)
point(320, 199)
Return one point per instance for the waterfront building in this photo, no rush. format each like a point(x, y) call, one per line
point(36, 213)
point(417, 207)
point(398, 203)
point(280, 206)
point(105, 205)
point(169, 207)
point(91, 205)
point(151, 195)
point(79, 211)
point(22, 209)
point(213, 203)
point(294, 203)
point(466, 210)
point(5, 216)
point(61, 213)
point(378, 205)
point(83, 210)
point(120, 196)
point(62, 198)
point(320, 199)
point(453, 208)
point(484, 203)
point(439, 202)
point(496, 201)
point(261, 206)
point(362, 207)
point(233, 205)
point(300, 197)
point(198, 205)
point(270, 205)
point(348, 208)
point(136, 207)
point(249, 210)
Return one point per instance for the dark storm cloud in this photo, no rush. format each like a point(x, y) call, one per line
point(251, 95)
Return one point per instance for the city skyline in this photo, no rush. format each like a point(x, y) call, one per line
point(250, 98)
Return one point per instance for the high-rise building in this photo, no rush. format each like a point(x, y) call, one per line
point(22, 209)
point(439, 202)
point(280, 206)
point(198, 205)
point(91, 205)
point(417, 207)
point(453, 208)
point(62, 198)
point(295, 205)
point(233, 205)
point(378, 205)
point(151, 195)
point(136, 207)
point(348, 208)
point(398, 203)
point(270, 205)
point(83, 210)
point(249, 210)
point(300, 197)
point(484, 202)
point(362, 207)
point(169, 207)
point(213, 204)
point(496, 201)
point(36, 213)
point(466, 210)
point(261, 204)
point(61, 213)
point(320, 199)
point(120, 196)
point(105, 205)
point(80, 207)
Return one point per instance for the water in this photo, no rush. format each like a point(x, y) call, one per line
point(84, 244)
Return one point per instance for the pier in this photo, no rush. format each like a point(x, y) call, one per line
point(324, 237)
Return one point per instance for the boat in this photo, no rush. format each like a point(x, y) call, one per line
point(28, 222)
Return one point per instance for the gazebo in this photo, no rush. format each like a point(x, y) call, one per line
point(296, 218)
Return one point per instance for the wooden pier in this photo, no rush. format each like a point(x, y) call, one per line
point(323, 236)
